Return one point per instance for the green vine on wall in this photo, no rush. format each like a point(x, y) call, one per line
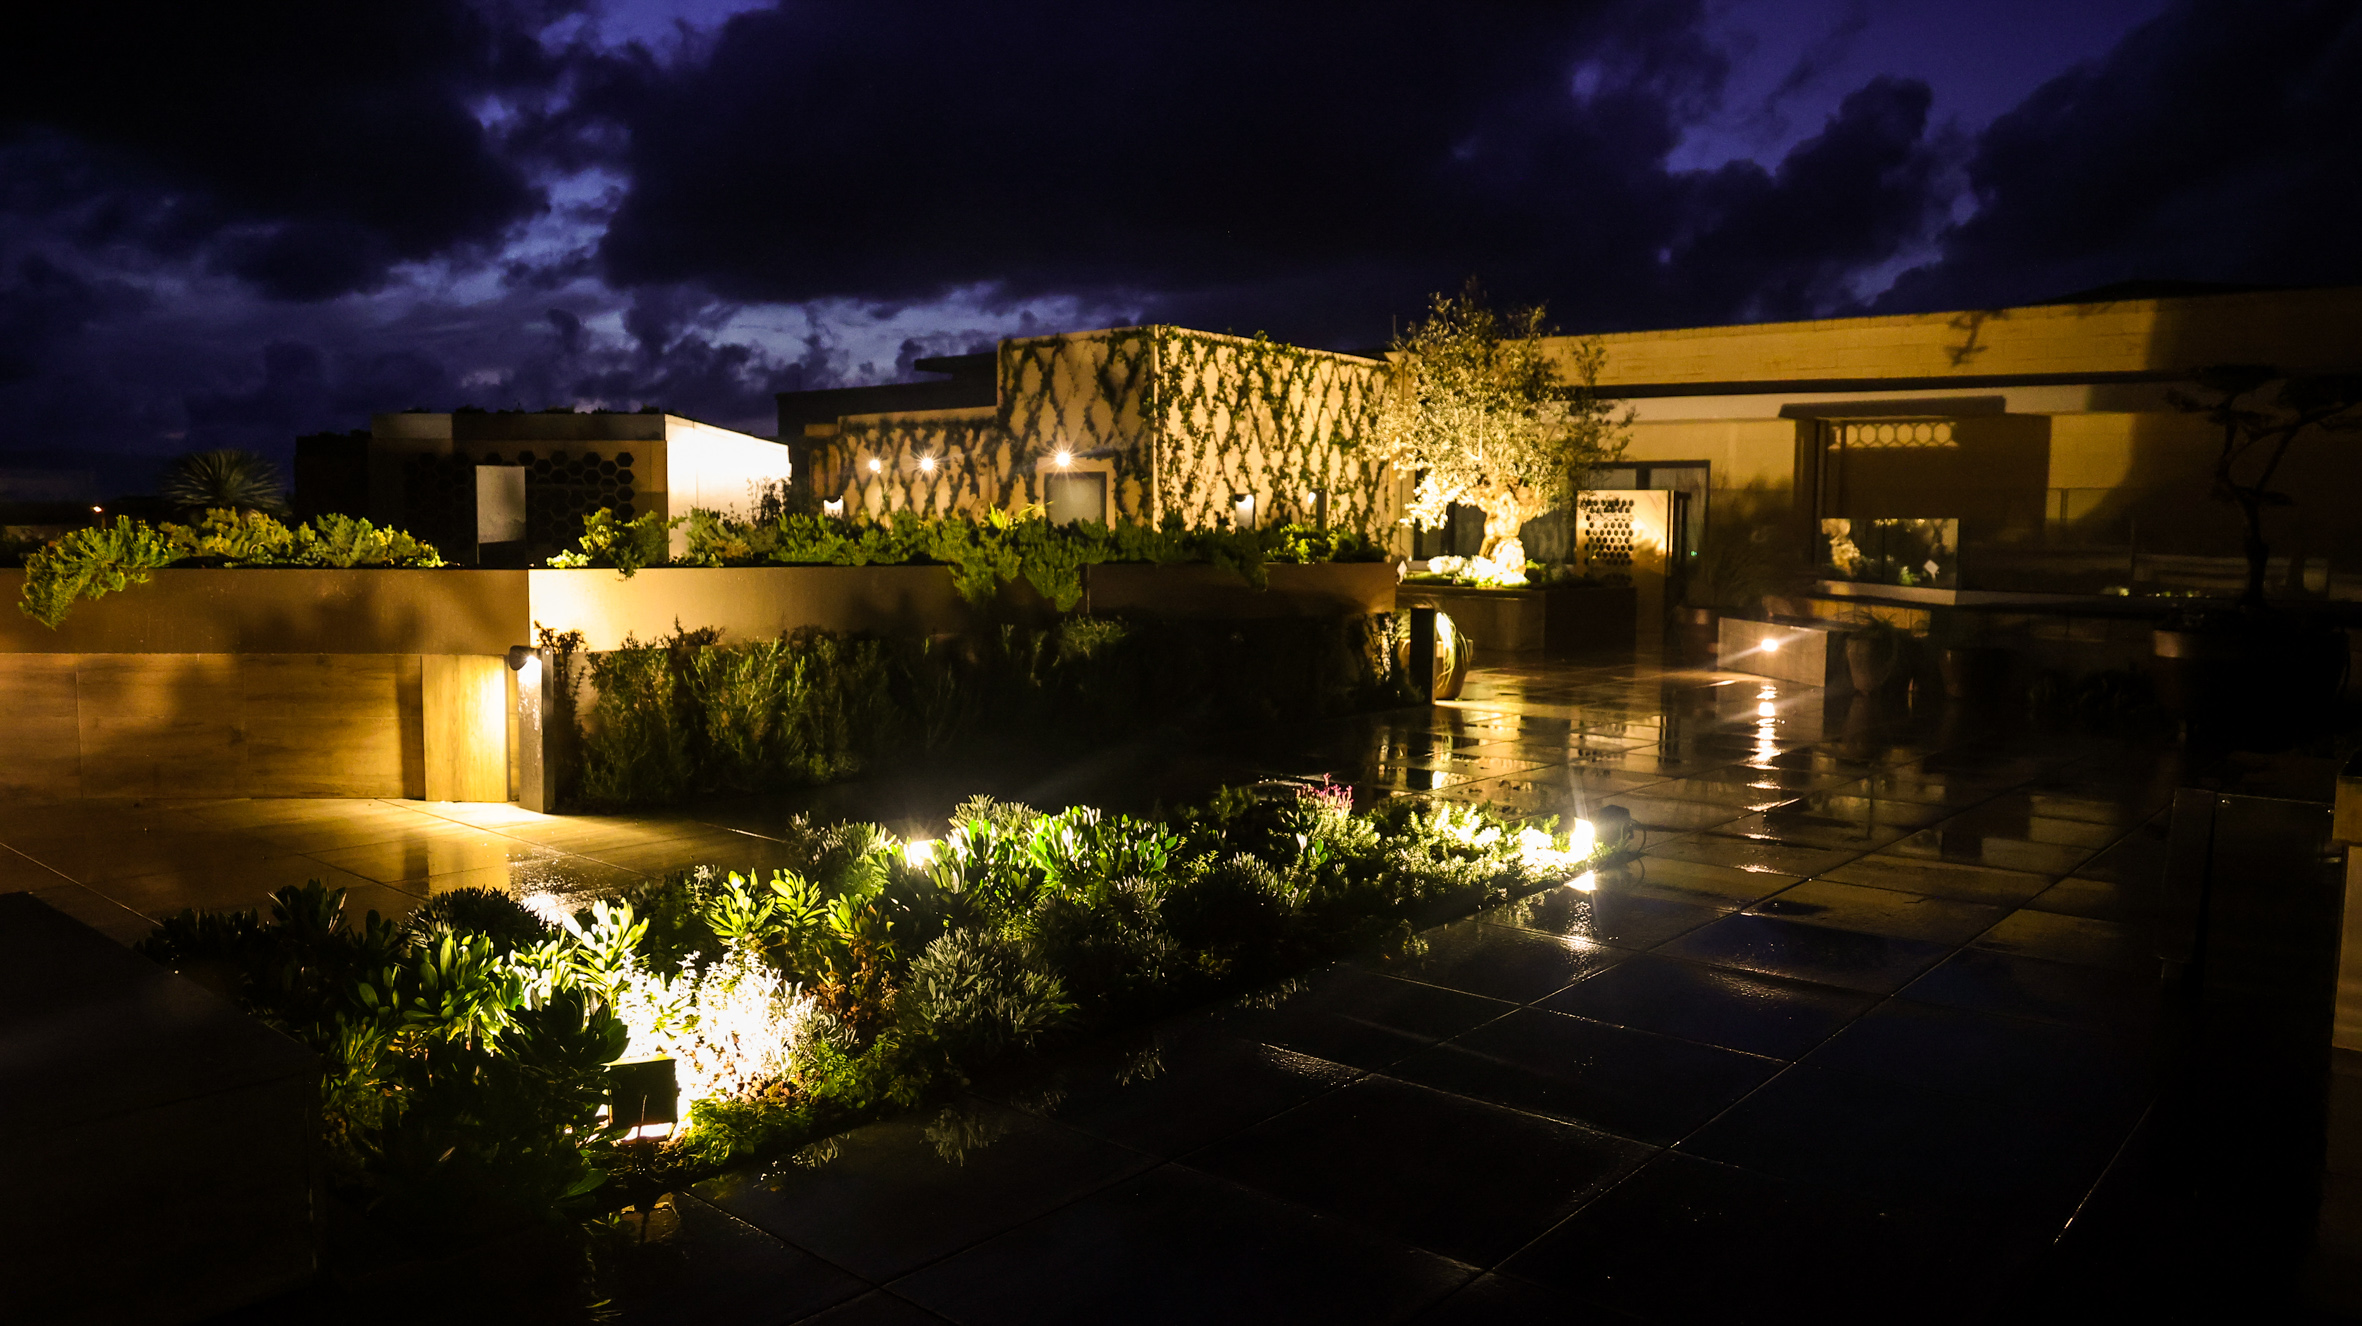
point(1185, 419)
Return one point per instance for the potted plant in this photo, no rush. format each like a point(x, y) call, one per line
point(1473, 406)
point(1877, 653)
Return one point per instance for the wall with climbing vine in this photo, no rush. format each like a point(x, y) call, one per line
point(1186, 422)
point(1236, 417)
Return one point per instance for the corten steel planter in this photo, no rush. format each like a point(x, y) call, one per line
point(1555, 621)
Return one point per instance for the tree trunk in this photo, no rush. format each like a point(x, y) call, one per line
point(2259, 553)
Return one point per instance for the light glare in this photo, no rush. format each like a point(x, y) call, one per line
point(919, 853)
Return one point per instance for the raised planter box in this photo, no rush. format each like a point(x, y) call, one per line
point(286, 610)
point(391, 683)
point(1555, 621)
point(1329, 589)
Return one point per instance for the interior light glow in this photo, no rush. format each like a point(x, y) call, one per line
point(919, 853)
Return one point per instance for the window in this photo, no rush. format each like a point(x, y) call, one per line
point(1073, 497)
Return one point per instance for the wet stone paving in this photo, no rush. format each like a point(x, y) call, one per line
point(1853, 1036)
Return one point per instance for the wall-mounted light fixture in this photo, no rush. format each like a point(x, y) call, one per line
point(1242, 506)
point(834, 506)
point(1061, 460)
point(926, 464)
point(876, 466)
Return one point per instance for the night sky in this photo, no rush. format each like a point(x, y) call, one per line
point(225, 226)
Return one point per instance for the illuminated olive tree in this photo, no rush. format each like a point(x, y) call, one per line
point(1472, 405)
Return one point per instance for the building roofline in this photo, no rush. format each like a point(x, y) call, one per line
point(1948, 382)
point(2065, 307)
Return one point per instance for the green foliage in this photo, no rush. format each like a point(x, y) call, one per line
point(983, 553)
point(625, 545)
point(687, 716)
point(1474, 407)
point(456, 1105)
point(1313, 543)
point(464, 1052)
point(92, 563)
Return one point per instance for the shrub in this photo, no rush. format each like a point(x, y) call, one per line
point(983, 553)
point(105, 559)
point(686, 715)
point(463, 1053)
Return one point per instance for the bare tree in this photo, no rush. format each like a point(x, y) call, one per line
point(2257, 434)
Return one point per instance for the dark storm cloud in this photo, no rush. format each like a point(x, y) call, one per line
point(305, 147)
point(1307, 163)
point(229, 225)
point(2220, 142)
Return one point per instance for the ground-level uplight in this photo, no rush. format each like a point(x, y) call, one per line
point(644, 1098)
point(1611, 829)
point(919, 853)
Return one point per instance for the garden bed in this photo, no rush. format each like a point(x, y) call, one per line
point(287, 681)
point(468, 1051)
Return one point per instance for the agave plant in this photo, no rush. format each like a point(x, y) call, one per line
point(226, 480)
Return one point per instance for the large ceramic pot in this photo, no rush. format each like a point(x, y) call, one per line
point(1873, 659)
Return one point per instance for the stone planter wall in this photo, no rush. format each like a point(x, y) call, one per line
point(1808, 655)
point(393, 683)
